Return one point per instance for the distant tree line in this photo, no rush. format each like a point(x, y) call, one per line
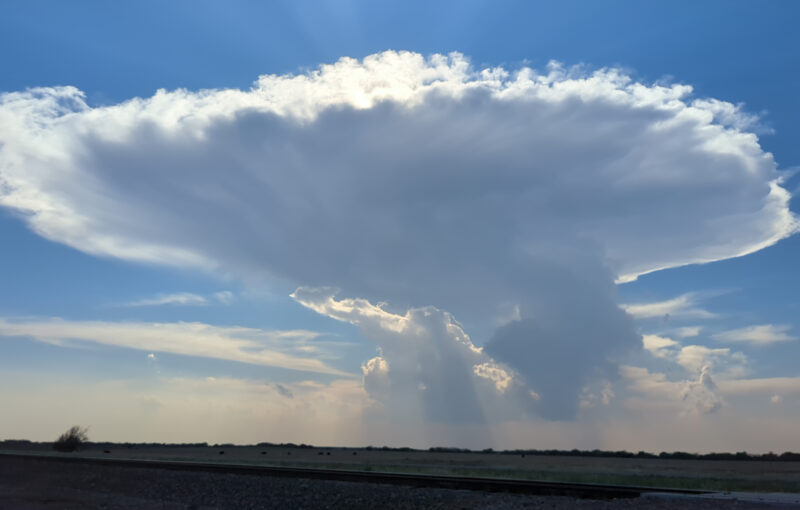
point(390, 449)
point(785, 456)
point(289, 445)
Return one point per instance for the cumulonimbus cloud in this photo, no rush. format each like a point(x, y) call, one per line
point(422, 181)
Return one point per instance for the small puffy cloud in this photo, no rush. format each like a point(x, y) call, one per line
point(177, 299)
point(152, 362)
point(246, 345)
point(701, 394)
point(696, 358)
point(763, 334)
point(682, 306)
point(698, 391)
point(698, 395)
point(659, 346)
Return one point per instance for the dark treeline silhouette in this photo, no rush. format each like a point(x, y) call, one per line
point(786, 456)
point(289, 445)
point(390, 449)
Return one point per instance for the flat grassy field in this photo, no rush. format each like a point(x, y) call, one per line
point(741, 475)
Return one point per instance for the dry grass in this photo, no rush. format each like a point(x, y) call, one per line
point(759, 476)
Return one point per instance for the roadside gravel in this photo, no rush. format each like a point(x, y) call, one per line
point(46, 485)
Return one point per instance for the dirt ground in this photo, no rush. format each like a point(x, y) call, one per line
point(760, 476)
point(42, 484)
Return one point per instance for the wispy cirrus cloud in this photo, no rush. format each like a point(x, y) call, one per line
point(684, 306)
point(764, 386)
point(282, 349)
point(177, 299)
point(762, 334)
point(224, 297)
point(688, 331)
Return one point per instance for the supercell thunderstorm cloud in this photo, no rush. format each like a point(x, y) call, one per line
point(514, 198)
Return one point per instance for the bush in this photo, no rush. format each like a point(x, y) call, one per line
point(72, 439)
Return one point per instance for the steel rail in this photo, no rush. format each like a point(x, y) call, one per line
point(542, 488)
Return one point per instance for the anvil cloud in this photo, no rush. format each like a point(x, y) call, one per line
point(421, 181)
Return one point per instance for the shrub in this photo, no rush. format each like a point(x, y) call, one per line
point(72, 439)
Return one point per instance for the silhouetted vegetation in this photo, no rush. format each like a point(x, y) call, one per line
point(286, 445)
point(448, 449)
point(390, 449)
point(76, 438)
point(72, 439)
point(786, 456)
point(16, 443)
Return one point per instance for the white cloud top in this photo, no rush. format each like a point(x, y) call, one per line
point(372, 172)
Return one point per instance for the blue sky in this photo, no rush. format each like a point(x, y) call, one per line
point(160, 286)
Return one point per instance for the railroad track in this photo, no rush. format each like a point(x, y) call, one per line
point(542, 488)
